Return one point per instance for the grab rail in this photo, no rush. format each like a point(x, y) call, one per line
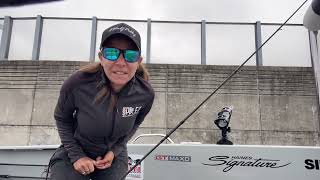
point(151, 135)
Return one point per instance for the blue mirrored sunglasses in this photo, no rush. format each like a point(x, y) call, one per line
point(113, 54)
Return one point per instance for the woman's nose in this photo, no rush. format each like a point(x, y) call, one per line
point(121, 59)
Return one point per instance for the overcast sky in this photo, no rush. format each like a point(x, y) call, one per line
point(185, 10)
point(181, 41)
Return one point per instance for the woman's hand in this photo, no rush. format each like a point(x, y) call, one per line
point(84, 165)
point(105, 162)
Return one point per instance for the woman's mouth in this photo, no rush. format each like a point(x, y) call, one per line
point(120, 72)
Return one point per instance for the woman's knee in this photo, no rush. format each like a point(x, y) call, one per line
point(61, 170)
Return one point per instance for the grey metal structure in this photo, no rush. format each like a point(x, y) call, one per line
point(315, 59)
point(6, 38)
point(203, 42)
point(37, 38)
point(93, 39)
point(312, 22)
point(148, 41)
point(258, 43)
point(8, 21)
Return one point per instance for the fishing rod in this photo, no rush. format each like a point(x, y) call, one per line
point(204, 101)
point(12, 3)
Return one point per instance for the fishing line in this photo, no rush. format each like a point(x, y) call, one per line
point(204, 101)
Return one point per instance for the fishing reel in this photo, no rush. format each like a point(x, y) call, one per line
point(222, 122)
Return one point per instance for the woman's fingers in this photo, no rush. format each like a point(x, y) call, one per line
point(104, 166)
point(84, 165)
point(102, 161)
point(105, 162)
point(88, 166)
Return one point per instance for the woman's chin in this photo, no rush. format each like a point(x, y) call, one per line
point(119, 83)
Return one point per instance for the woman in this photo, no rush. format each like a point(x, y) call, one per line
point(99, 109)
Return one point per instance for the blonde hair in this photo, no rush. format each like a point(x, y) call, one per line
point(106, 89)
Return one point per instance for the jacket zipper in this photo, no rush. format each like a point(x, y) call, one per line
point(115, 111)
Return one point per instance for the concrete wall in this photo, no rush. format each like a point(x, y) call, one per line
point(272, 106)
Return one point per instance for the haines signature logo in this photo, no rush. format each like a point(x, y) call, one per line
point(243, 161)
point(173, 158)
point(130, 111)
point(312, 164)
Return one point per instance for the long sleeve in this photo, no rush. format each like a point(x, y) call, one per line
point(66, 124)
point(118, 147)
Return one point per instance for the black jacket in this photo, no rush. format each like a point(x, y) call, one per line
point(91, 129)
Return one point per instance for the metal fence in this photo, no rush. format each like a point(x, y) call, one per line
point(172, 42)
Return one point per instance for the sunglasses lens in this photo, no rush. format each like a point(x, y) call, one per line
point(131, 55)
point(111, 54)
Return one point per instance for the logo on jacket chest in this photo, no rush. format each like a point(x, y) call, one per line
point(130, 111)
